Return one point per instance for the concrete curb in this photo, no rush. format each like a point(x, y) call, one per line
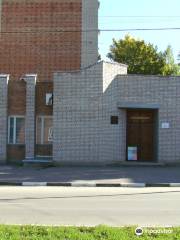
point(88, 184)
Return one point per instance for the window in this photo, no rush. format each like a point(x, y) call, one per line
point(16, 130)
point(44, 130)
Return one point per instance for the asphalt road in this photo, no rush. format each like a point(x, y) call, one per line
point(90, 206)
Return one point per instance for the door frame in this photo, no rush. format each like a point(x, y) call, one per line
point(155, 135)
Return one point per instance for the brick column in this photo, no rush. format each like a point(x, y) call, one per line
point(3, 116)
point(89, 41)
point(30, 80)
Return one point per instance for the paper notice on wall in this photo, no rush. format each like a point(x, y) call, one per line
point(132, 154)
point(50, 134)
point(165, 125)
point(49, 99)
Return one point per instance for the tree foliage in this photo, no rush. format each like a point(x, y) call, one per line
point(143, 58)
point(178, 59)
point(170, 68)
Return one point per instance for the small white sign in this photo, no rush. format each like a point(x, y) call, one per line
point(50, 134)
point(165, 125)
point(49, 99)
point(132, 154)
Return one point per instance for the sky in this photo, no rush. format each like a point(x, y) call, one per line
point(119, 14)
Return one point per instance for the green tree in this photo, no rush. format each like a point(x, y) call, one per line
point(178, 59)
point(142, 58)
point(170, 68)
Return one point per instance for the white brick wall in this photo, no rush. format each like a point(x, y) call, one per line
point(156, 90)
point(85, 100)
point(3, 116)
point(82, 130)
point(30, 115)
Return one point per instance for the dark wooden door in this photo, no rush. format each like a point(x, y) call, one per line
point(140, 133)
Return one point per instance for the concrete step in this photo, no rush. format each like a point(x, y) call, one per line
point(43, 162)
point(143, 164)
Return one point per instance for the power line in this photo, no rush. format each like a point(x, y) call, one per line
point(91, 30)
point(139, 16)
point(140, 29)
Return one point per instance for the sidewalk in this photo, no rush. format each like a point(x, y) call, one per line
point(91, 176)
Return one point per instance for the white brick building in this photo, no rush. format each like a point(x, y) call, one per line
point(104, 116)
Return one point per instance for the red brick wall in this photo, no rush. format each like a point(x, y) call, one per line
point(42, 50)
point(16, 98)
point(15, 153)
point(44, 150)
point(30, 43)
